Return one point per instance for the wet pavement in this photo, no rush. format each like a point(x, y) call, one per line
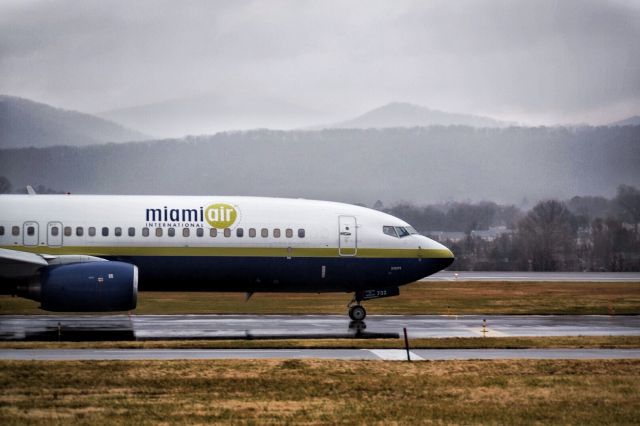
point(344, 354)
point(596, 277)
point(168, 327)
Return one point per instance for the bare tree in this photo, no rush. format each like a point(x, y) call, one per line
point(628, 199)
point(547, 236)
point(5, 185)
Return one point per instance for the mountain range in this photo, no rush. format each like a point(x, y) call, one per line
point(631, 121)
point(212, 113)
point(25, 123)
point(402, 114)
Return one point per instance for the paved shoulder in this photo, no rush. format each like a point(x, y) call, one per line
point(345, 354)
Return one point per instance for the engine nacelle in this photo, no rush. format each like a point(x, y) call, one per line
point(86, 287)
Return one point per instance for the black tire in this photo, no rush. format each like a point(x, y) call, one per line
point(357, 313)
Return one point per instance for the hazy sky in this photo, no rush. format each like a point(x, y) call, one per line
point(529, 61)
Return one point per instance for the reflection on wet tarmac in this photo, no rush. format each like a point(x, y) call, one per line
point(170, 327)
point(125, 328)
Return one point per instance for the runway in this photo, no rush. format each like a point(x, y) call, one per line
point(168, 327)
point(343, 354)
point(597, 277)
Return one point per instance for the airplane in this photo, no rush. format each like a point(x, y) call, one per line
point(93, 253)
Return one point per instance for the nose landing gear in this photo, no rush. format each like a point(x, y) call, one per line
point(357, 311)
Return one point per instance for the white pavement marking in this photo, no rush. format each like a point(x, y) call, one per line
point(394, 354)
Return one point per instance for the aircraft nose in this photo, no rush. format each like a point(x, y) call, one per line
point(441, 256)
point(447, 256)
point(447, 261)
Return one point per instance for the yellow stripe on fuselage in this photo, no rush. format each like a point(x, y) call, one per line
point(235, 251)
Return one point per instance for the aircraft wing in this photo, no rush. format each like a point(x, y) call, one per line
point(15, 264)
point(21, 264)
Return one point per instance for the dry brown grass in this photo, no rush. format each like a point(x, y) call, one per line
point(321, 392)
point(457, 297)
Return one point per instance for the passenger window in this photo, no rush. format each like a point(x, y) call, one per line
point(31, 231)
point(276, 233)
point(54, 231)
point(239, 232)
point(300, 233)
point(264, 232)
point(199, 232)
point(79, 231)
point(67, 231)
point(145, 232)
point(289, 233)
point(105, 231)
point(1, 231)
point(158, 232)
point(92, 231)
point(171, 232)
point(227, 232)
point(185, 232)
point(15, 231)
point(117, 232)
point(131, 231)
point(389, 230)
point(252, 232)
point(213, 232)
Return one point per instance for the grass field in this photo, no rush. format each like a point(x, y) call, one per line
point(458, 297)
point(588, 392)
point(342, 392)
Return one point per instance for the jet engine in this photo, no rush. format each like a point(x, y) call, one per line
point(85, 287)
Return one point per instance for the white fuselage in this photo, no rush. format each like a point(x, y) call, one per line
point(225, 243)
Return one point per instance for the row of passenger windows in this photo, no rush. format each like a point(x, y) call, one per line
point(159, 232)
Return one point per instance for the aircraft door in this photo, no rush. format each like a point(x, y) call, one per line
point(348, 236)
point(54, 234)
point(30, 234)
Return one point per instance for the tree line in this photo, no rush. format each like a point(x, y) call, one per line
point(580, 234)
point(7, 188)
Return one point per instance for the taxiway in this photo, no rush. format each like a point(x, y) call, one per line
point(344, 354)
point(167, 327)
point(596, 277)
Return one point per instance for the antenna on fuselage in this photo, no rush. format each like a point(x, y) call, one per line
point(30, 190)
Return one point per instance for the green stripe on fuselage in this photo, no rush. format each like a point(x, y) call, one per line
point(234, 251)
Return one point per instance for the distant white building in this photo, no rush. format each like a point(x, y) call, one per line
point(492, 233)
point(486, 235)
point(442, 236)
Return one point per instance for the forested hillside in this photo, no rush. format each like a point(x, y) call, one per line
point(420, 165)
point(24, 123)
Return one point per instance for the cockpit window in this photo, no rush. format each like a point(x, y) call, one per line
point(402, 231)
point(399, 231)
point(389, 230)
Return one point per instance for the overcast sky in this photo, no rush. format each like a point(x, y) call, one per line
point(529, 61)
